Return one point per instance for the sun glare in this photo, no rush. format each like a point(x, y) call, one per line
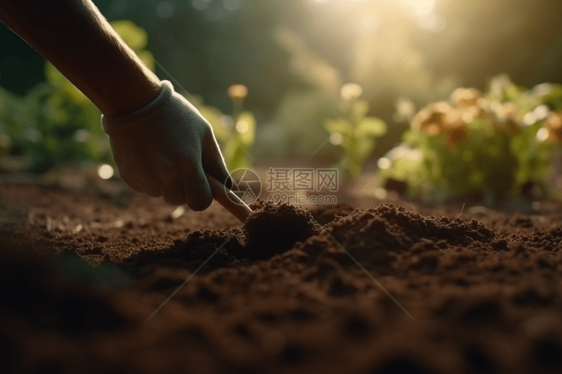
point(420, 8)
point(105, 171)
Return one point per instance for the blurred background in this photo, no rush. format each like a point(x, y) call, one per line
point(296, 58)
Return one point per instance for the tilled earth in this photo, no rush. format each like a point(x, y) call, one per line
point(385, 288)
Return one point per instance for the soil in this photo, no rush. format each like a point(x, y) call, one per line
point(363, 287)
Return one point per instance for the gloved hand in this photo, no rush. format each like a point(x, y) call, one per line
point(165, 148)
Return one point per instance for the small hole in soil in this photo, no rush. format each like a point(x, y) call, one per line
point(268, 317)
point(242, 331)
point(194, 334)
point(357, 327)
point(292, 355)
point(548, 353)
point(7, 353)
point(531, 298)
point(80, 314)
point(427, 264)
point(50, 368)
point(478, 362)
point(482, 313)
point(388, 306)
point(165, 284)
point(401, 365)
point(339, 288)
point(302, 315)
point(207, 295)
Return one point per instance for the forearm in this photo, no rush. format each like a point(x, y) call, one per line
point(77, 39)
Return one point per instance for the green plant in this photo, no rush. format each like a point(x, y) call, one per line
point(355, 134)
point(55, 123)
point(487, 146)
point(236, 133)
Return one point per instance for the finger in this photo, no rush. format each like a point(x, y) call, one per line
point(213, 162)
point(196, 189)
point(151, 189)
point(173, 193)
point(132, 183)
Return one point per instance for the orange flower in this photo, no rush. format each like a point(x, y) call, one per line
point(554, 126)
point(465, 97)
point(455, 127)
point(456, 135)
point(432, 118)
point(237, 92)
point(504, 117)
point(486, 112)
point(463, 115)
point(510, 110)
point(511, 126)
point(509, 119)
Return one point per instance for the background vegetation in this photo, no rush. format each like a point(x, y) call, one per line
point(494, 145)
point(294, 57)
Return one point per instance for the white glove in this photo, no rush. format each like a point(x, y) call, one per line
point(165, 148)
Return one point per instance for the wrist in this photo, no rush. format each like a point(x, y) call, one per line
point(148, 113)
point(130, 96)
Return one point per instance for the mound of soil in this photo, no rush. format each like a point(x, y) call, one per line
point(375, 288)
point(275, 228)
point(271, 229)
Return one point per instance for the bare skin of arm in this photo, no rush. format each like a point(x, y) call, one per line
point(80, 43)
point(171, 150)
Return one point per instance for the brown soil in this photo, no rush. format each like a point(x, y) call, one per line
point(292, 291)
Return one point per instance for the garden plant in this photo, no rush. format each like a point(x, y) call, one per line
point(490, 145)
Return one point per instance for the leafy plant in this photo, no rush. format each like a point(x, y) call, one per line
point(55, 123)
point(236, 133)
point(356, 133)
point(488, 146)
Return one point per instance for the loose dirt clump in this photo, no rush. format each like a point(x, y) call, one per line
point(376, 236)
point(275, 228)
point(191, 252)
point(328, 213)
point(270, 229)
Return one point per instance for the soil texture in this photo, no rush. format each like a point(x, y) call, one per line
point(364, 287)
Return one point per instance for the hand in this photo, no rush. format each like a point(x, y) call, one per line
point(165, 148)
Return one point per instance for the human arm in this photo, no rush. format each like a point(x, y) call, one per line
point(167, 152)
point(80, 43)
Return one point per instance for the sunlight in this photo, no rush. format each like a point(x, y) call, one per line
point(105, 171)
point(420, 8)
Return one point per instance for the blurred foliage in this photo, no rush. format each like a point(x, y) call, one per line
point(487, 146)
point(355, 134)
point(235, 133)
point(55, 123)
point(52, 125)
point(294, 55)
